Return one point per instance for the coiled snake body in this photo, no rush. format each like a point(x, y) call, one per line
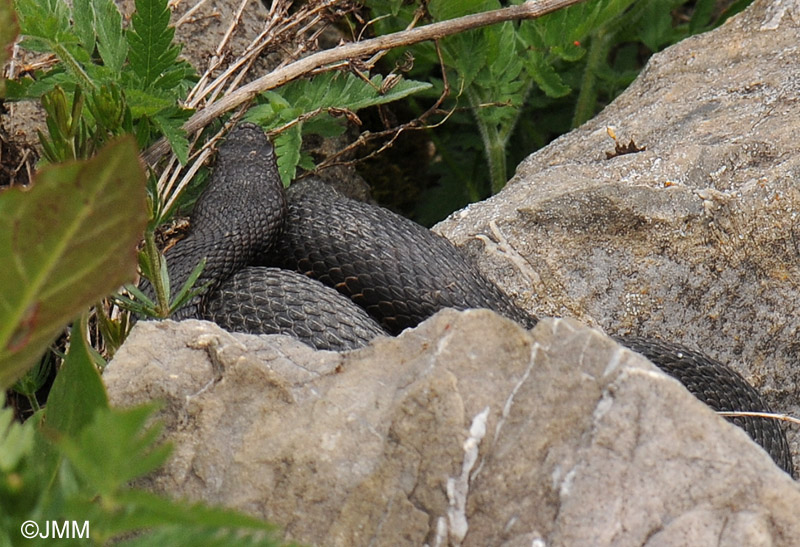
point(272, 267)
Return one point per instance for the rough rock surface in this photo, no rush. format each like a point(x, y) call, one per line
point(468, 430)
point(695, 239)
point(575, 441)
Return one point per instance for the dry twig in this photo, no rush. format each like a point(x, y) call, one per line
point(301, 67)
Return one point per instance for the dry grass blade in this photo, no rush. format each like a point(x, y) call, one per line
point(354, 50)
point(303, 26)
point(768, 415)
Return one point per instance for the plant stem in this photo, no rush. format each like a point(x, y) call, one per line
point(355, 50)
point(495, 148)
point(33, 402)
point(587, 98)
point(154, 257)
point(73, 65)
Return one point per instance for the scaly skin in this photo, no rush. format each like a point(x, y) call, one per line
point(396, 270)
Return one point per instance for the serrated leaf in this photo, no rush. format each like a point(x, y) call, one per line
point(150, 39)
point(145, 509)
point(306, 161)
point(546, 76)
point(571, 24)
point(144, 103)
point(66, 242)
point(172, 130)
point(77, 394)
point(111, 43)
point(466, 53)
point(175, 76)
point(442, 10)
point(287, 149)
point(115, 447)
point(54, 78)
point(324, 126)
point(45, 19)
point(569, 52)
point(83, 17)
point(337, 90)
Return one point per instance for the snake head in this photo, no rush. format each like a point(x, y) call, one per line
point(245, 142)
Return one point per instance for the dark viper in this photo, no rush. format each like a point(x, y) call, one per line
point(335, 273)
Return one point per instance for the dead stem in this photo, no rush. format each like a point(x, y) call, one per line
point(354, 50)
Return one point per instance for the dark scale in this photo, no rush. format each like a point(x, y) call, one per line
point(367, 272)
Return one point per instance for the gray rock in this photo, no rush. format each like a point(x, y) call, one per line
point(467, 430)
point(695, 239)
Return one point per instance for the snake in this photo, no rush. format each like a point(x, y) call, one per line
point(335, 273)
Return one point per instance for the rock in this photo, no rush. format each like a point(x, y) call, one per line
point(468, 430)
point(695, 239)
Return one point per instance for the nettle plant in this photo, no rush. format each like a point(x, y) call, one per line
point(516, 86)
point(108, 80)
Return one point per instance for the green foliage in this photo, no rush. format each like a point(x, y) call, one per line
point(165, 304)
point(310, 106)
point(35, 378)
point(520, 82)
point(153, 54)
point(67, 241)
point(76, 462)
point(132, 80)
point(551, 74)
point(8, 33)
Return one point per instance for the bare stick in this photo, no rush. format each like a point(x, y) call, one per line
point(769, 415)
point(279, 77)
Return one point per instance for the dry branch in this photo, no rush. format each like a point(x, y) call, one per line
point(301, 67)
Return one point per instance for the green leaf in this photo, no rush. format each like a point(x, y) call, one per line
point(546, 77)
point(176, 77)
point(569, 52)
point(111, 43)
point(328, 90)
point(172, 130)
point(16, 439)
point(182, 536)
point(701, 15)
point(8, 33)
point(77, 392)
point(287, 148)
point(45, 19)
point(152, 52)
point(115, 448)
point(655, 25)
point(188, 290)
point(147, 103)
point(324, 126)
point(67, 241)
point(144, 509)
point(441, 10)
point(83, 17)
point(338, 90)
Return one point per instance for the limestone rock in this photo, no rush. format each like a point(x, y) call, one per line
point(471, 431)
point(468, 430)
point(695, 239)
